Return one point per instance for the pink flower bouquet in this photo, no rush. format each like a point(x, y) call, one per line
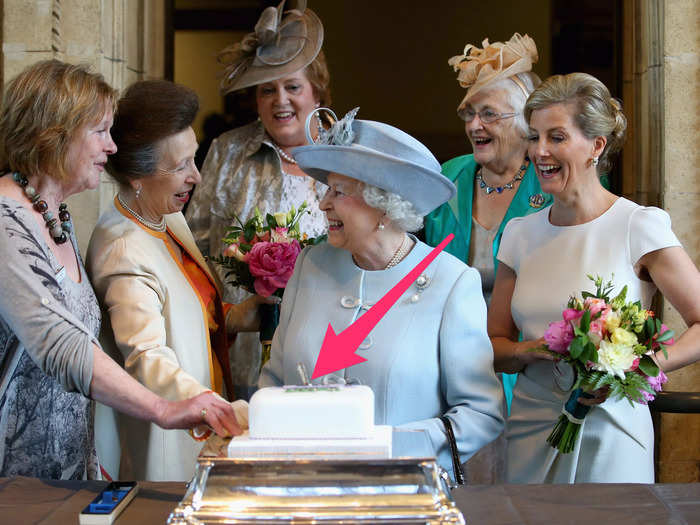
point(606, 343)
point(260, 255)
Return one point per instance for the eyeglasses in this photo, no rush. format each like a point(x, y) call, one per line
point(486, 116)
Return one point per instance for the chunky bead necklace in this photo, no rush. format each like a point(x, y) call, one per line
point(159, 226)
point(59, 231)
point(283, 154)
point(509, 186)
point(400, 252)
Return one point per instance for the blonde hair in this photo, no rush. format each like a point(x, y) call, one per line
point(596, 114)
point(42, 110)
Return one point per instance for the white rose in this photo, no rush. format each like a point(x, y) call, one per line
point(615, 358)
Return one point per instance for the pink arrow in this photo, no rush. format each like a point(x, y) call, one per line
point(338, 350)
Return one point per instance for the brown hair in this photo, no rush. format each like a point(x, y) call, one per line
point(597, 114)
point(148, 112)
point(42, 109)
point(320, 79)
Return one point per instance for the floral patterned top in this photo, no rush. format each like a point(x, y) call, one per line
point(49, 322)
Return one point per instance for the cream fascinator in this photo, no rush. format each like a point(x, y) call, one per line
point(283, 42)
point(478, 68)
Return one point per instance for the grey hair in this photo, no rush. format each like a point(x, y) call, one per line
point(596, 113)
point(516, 98)
point(400, 211)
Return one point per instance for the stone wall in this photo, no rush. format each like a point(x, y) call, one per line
point(661, 45)
point(679, 446)
point(122, 39)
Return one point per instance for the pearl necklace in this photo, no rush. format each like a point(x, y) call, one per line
point(159, 226)
point(400, 252)
point(509, 186)
point(283, 154)
point(59, 231)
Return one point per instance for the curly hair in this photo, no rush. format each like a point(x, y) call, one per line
point(397, 209)
point(43, 108)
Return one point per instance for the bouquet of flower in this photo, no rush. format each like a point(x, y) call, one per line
point(260, 255)
point(607, 343)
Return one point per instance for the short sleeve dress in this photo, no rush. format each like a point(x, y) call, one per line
point(551, 264)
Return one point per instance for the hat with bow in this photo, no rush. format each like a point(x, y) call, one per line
point(478, 67)
point(283, 42)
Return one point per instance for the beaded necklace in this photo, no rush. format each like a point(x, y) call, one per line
point(509, 186)
point(59, 231)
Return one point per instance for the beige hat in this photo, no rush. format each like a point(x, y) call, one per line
point(279, 46)
point(480, 67)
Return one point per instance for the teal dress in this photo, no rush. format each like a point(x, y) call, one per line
point(455, 216)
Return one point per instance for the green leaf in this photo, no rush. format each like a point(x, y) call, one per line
point(271, 221)
point(249, 232)
point(585, 321)
point(649, 330)
point(588, 352)
point(668, 334)
point(576, 348)
point(586, 295)
point(647, 365)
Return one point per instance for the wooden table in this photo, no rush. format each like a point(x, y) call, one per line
point(28, 500)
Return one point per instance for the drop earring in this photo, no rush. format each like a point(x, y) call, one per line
point(595, 161)
point(138, 192)
point(380, 226)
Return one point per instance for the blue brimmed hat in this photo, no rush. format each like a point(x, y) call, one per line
point(377, 154)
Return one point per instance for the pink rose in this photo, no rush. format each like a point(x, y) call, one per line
point(595, 331)
point(571, 314)
point(605, 313)
point(594, 305)
point(558, 336)
point(272, 264)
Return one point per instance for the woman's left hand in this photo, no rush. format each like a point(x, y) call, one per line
point(599, 396)
point(244, 317)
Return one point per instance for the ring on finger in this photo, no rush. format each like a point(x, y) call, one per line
point(203, 413)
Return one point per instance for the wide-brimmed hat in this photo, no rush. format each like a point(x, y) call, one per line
point(283, 42)
point(479, 67)
point(377, 154)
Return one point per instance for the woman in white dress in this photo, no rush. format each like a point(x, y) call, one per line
point(575, 127)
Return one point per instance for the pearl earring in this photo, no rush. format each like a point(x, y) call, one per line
point(138, 192)
point(380, 226)
point(595, 161)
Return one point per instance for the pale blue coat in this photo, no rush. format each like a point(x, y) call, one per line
point(424, 358)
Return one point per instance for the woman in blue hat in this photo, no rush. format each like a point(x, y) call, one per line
point(429, 356)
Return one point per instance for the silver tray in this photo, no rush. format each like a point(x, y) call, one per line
point(264, 491)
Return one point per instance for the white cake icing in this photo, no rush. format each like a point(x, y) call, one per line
point(315, 412)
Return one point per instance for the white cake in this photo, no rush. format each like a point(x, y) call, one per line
point(313, 422)
point(327, 412)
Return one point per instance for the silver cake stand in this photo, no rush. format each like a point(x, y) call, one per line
point(318, 490)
